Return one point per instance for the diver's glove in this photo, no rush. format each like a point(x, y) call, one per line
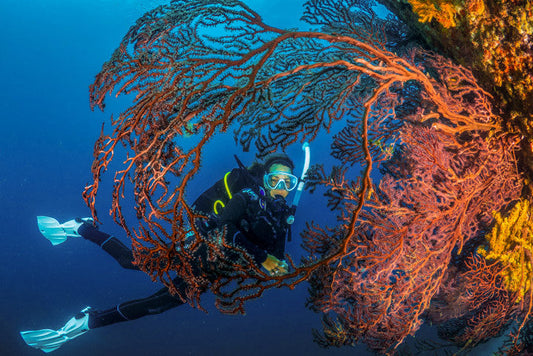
point(274, 266)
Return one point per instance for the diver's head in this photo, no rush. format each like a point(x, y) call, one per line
point(278, 178)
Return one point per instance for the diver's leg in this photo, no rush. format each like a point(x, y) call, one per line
point(135, 309)
point(113, 246)
point(49, 340)
point(58, 233)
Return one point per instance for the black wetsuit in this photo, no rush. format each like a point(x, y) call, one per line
point(257, 222)
point(254, 222)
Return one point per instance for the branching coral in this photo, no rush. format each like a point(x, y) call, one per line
point(426, 120)
point(436, 196)
point(493, 38)
point(275, 87)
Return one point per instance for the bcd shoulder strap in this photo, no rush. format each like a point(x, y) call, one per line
point(214, 199)
point(229, 196)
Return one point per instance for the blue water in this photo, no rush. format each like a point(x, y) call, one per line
point(50, 52)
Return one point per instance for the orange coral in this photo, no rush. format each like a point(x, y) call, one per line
point(475, 7)
point(494, 39)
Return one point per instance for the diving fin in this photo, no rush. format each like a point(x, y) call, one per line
point(49, 340)
point(57, 233)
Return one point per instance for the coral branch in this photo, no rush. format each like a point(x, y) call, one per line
point(446, 163)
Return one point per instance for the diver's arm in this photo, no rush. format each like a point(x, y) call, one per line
point(271, 263)
point(232, 217)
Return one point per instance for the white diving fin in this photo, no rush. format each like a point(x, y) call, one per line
point(57, 233)
point(49, 340)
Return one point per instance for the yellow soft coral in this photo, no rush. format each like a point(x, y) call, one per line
point(442, 11)
point(511, 243)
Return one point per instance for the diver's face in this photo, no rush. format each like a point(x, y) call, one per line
point(278, 168)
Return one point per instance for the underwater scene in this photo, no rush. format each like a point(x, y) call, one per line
point(260, 177)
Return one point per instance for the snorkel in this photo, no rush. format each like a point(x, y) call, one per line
point(301, 183)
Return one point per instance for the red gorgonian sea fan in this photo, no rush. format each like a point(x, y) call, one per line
point(198, 68)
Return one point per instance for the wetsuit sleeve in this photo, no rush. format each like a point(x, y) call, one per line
point(257, 253)
point(231, 217)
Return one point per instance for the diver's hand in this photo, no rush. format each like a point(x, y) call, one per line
point(274, 266)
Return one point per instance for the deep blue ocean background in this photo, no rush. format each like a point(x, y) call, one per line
point(50, 52)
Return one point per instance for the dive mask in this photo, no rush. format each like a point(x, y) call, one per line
point(280, 180)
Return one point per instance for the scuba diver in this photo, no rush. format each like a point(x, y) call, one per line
point(257, 219)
